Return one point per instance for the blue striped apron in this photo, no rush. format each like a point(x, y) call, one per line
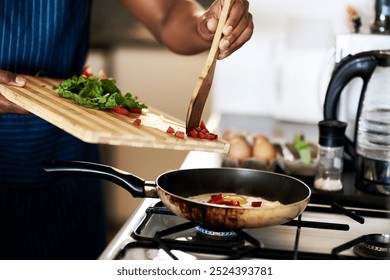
point(43, 217)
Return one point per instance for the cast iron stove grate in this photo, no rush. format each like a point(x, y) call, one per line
point(242, 246)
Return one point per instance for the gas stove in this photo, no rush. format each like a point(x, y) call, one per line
point(344, 225)
point(321, 232)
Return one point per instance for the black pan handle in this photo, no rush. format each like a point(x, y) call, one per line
point(129, 182)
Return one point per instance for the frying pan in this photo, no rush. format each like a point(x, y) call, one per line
point(175, 187)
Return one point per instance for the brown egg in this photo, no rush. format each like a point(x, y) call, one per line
point(260, 138)
point(229, 134)
point(263, 149)
point(240, 148)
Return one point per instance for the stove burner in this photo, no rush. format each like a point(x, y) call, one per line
point(216, 233)
point(374, 246)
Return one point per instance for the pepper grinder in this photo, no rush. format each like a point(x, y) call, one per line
point(331, 151)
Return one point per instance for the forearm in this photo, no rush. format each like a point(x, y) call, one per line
point(174, 23)
point(186, 28)
point(180, 32)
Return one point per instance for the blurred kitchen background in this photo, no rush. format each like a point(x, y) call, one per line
point(282, 72)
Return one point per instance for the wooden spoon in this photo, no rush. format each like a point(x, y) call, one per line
point(205, 80)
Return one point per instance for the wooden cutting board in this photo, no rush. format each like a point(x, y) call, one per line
point(103, 127)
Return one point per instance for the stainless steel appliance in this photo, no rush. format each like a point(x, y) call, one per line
point(346, 225)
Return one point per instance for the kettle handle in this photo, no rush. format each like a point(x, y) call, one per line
point(352, 66)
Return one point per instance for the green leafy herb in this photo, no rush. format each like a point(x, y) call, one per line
point(303, 148)
point(92, 92)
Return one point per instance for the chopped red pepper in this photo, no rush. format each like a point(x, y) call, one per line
point(135, 110)
point(170, 130)
point(202, 125)
point(120, 110)
point(210, 136)
point(179, 134)
point(256, 203)
point(193, 134)
point(137, 122)
point(202, 135)
point(202, 132)
point(87, 71)
point(218, 199)
point(215, 197)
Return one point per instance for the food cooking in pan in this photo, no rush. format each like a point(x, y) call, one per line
point(233, 199)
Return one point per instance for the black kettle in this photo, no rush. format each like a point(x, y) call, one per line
point(370, 146)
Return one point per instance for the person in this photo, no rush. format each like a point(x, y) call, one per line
point(44, 217)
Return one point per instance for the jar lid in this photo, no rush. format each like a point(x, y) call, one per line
point(332, 133)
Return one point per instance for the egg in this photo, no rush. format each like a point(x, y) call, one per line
point(231, 133)
point(234, 197)
point(240, 148)
point(263, 148)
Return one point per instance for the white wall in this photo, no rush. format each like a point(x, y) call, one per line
point(283, 70)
